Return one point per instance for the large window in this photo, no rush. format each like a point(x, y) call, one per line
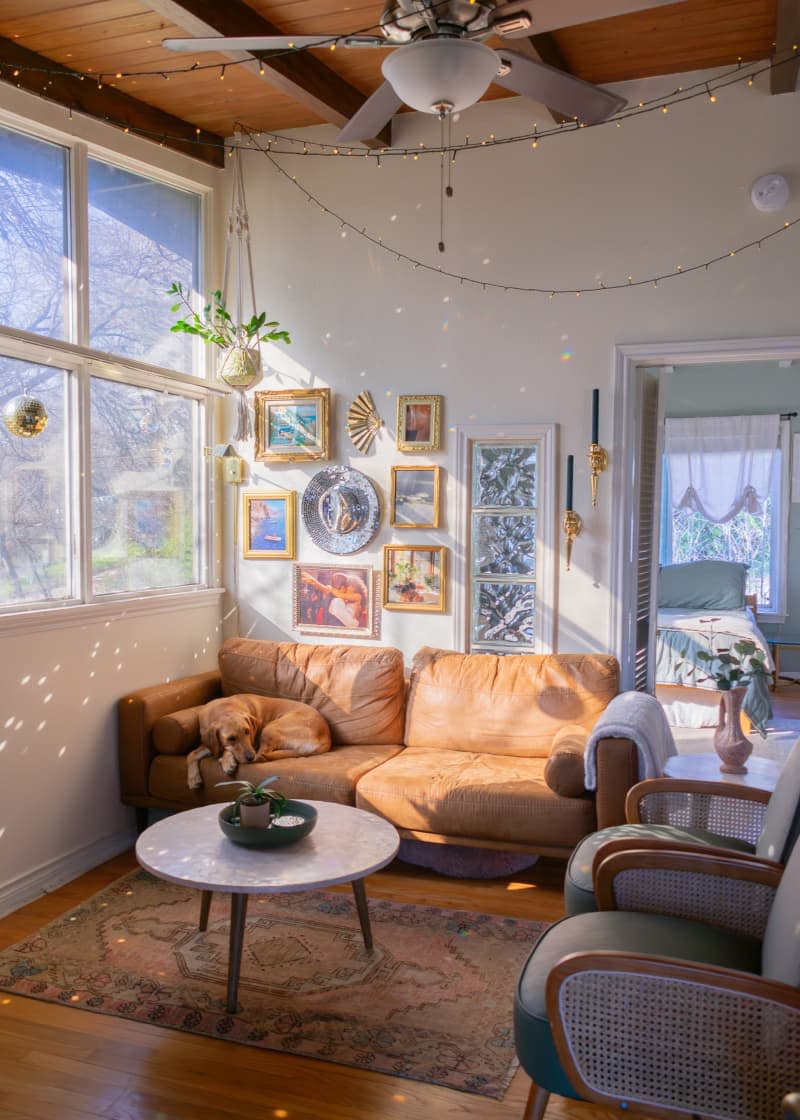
point(107, 500)
point(703, 522)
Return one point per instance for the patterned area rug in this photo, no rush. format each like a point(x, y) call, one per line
point(432, 1002)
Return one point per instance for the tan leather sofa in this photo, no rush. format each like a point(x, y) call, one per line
point(472, 749)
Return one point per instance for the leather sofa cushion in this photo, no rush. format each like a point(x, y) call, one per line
point(564, 770)
point(359, 690)
point(178, 732)
point(504, 705)
point(483, 797)
point(320, 777)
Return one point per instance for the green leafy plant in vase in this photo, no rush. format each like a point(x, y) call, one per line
point(734, 669)
point(257, 805)
point(239, 341)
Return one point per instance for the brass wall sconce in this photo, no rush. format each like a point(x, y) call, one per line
point(598, 456)
point(571, 523)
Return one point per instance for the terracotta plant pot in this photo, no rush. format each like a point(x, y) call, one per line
point(255, 815)
point(729, 740)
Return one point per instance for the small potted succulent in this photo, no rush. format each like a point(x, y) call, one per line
point(257, 805)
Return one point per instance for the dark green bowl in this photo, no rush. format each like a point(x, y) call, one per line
point(278, 835)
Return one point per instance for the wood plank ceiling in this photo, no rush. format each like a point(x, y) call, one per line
point(116, 45)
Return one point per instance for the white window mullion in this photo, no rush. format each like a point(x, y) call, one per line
point(79, 290)
point(81, 489)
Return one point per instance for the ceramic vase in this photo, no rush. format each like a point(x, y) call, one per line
point(729, 741)
point(255, 816)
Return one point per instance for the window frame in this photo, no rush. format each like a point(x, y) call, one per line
point(544, 582)
point(779, 537)
point(81, 363)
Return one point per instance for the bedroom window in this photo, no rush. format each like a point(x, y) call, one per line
point(108, 500)
point(725, 497)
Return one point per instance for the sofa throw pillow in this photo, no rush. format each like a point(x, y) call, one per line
point(564, 769)
point(703, 585)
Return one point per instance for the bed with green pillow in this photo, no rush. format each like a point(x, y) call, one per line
point(703, 606)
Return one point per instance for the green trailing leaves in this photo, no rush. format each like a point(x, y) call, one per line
point(215, 325)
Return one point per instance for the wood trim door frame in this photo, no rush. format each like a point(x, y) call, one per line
point(629, 359)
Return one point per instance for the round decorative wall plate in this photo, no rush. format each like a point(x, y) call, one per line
point(341, 510)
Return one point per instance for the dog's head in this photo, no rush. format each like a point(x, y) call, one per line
point(237, 734)
point(227, 728)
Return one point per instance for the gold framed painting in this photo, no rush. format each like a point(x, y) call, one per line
point(415, 497)
point(269, 524)
point(413, 578)
point(419, 420)
point(292, 424)
point(336, 599)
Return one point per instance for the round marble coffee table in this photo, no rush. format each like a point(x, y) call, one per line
point(189, 848)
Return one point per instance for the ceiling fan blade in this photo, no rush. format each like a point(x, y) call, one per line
point(557, 89)
point(551, 15)
point(372, 117)
point(270, 42)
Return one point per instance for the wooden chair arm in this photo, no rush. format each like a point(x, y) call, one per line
point(719, 807)
point(672, 1038)
point(654, 843)
point(732, 891)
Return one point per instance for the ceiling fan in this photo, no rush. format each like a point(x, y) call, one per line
point(440, 65)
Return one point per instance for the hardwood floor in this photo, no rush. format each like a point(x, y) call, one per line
point(60, 1063)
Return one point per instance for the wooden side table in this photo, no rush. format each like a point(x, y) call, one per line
point(775, 646)
point(762, 773)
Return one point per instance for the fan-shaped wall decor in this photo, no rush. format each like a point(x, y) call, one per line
point(363, 421)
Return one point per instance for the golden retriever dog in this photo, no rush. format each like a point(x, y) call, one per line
point(250, 728)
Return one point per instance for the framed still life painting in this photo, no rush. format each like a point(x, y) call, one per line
point(269, 525)
point(336, 599)
point(292, 424)
point(413, 578)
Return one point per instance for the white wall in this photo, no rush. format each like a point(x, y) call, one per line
point(594, 205)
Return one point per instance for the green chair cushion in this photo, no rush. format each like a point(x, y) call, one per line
point(620, 931)
point(578, 890)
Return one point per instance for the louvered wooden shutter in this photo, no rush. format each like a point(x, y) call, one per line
point(649, 505)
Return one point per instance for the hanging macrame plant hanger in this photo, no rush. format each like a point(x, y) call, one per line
point(240, 365)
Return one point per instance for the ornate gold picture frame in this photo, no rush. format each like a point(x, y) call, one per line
point(269, 524)
point(419, 421)
point(292, 425)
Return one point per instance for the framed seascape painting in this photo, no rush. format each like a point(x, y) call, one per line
point(415, 497)
point(413, 578)
point(269, 525)
point(419, 422)
point(337, 599)
point(292, 424)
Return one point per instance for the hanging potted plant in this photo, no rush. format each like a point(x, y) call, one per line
point(239, 341)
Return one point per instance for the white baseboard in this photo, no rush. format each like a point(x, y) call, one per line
point(49, 877)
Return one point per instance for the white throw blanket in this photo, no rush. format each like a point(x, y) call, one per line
point(637, 716)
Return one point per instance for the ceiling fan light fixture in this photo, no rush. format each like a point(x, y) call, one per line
point(429, 72)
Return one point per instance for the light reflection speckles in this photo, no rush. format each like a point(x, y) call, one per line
point(62, 752)
point(26, 679)
point(566, 355)
point(85, 701)
point(399, 310)
point(46, 699)
point(41, 726)
point(486, 260)
point(3, 744)
point(9, 721)
point(445, 299)
point(392, 217)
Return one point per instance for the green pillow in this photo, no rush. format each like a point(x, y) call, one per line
point(703, 586)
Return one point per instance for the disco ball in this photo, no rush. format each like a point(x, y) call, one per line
point(25, 416)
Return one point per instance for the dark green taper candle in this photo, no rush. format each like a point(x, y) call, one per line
point(570, 469)
point(595, 414)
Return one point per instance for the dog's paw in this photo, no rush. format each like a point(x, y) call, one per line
point(194, 781)
point(229, 766)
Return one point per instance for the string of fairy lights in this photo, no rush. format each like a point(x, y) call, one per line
point(273, 144)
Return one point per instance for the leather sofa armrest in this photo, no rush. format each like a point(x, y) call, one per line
point(617, 765)
point(139, 710)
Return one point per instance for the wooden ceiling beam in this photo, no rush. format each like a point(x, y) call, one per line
point(34, 72)
point(298, 74)
point(784, 77)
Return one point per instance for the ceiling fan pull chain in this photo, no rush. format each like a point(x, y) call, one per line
point(451, 158)
point(442, 118)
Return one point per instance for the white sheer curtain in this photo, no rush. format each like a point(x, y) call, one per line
point(719, 465)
